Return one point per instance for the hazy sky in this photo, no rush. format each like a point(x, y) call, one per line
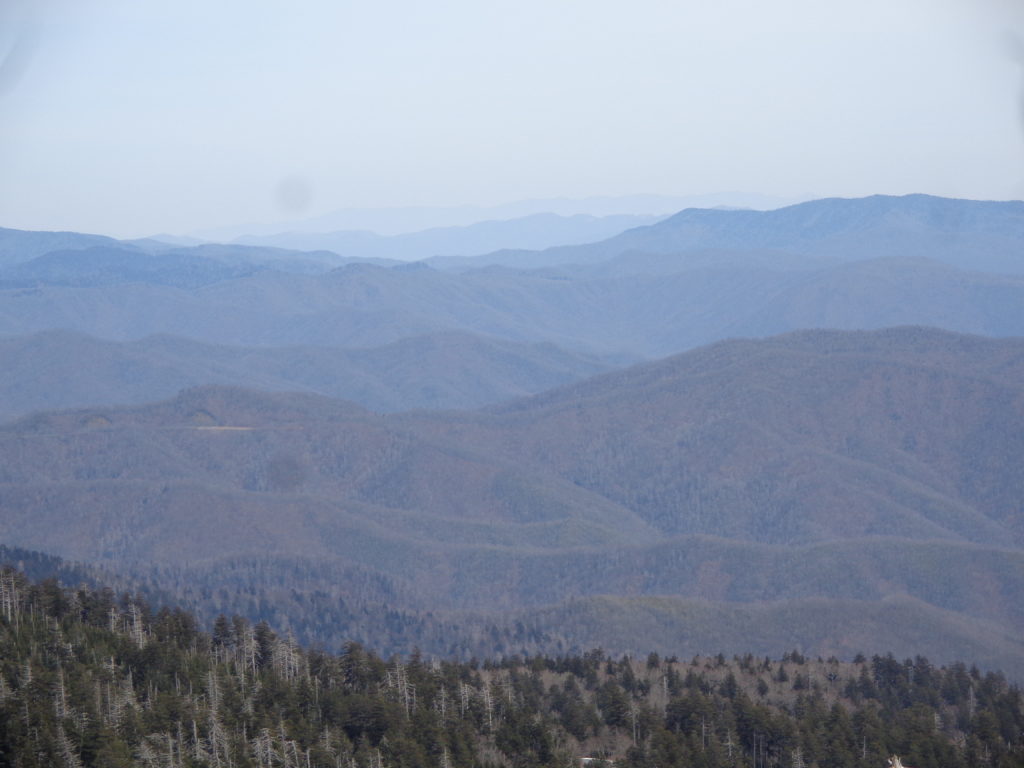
point(135, 117)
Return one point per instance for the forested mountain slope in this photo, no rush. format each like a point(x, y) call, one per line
point(61, 369)
point(641, 315)
point(28, 257)
point(88, 679)
point(844, 467)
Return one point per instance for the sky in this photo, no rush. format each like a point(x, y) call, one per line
point(137, 117)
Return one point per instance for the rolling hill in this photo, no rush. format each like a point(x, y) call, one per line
point(362, 305)
point(825, 471)
point(805, 489)
point(61, 369)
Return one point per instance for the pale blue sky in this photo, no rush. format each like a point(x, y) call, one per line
point(135, 117)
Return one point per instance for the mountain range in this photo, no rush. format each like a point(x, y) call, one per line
point(973, 235)
point(64, 369)
point(649, 292)
point(364, 305)
point(842, 478)
point(416, 218)
point(493, 473)
point(540, 230)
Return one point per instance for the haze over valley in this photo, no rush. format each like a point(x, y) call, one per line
point(866, 469)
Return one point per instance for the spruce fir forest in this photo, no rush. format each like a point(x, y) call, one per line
point(89, 678)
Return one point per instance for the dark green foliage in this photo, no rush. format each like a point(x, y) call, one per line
point(91, 679)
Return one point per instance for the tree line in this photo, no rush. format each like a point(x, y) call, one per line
point(91, 678)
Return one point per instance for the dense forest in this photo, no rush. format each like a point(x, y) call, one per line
point(840, 484)
point(90, 678)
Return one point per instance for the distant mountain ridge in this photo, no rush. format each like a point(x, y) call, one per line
point(104, 266)
point(968, 234)
point(839, 467)
point(390, 221)
point(68, 258)
point(699, 276)
point(811, 486)
point(539, 230)
point(633, 315)
point(18, 245)
point(62, 369)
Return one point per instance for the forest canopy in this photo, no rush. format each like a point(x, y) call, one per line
point(90, 678)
